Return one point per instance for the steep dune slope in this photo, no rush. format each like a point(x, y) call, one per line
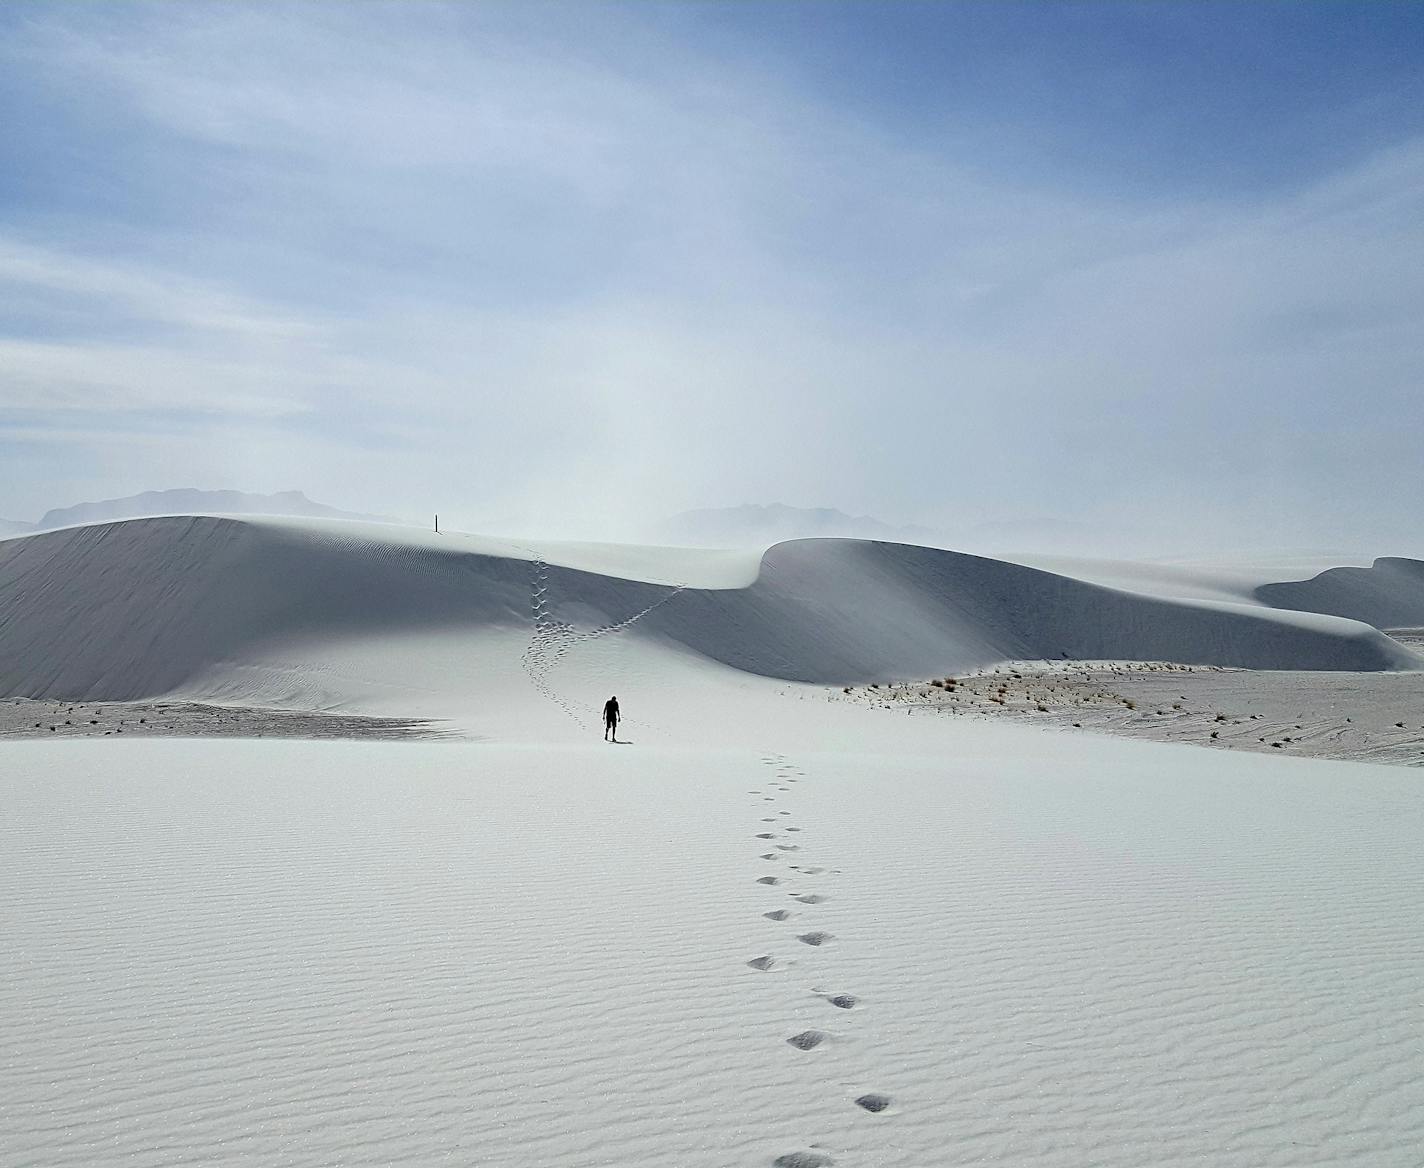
point(1388, 595)
point(135, 609)
point(830, 610)
point(132, 609)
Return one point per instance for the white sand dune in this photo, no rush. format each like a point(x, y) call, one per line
point(223, 607)
point(771, 930)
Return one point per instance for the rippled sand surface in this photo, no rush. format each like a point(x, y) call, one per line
point(946, 943)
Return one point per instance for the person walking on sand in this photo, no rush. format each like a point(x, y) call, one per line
point(610, 720)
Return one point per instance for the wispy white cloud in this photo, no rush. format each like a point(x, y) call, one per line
point(410, 253)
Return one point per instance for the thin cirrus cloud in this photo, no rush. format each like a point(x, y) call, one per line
point(577, 272)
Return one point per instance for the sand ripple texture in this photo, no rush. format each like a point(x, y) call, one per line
point(260, 953)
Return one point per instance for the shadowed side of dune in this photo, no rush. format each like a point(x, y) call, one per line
point(832, 610)
point(1388, 595)
point(132, 609)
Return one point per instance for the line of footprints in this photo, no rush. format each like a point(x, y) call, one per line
point(782, 838)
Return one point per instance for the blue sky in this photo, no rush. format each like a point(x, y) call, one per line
point(574, 266)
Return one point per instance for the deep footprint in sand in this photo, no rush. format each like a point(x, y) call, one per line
point(765, 835)
point(874, 1103)
point(807, 1039)
point(803, 1160)
point(815, 938)
point(778, 914)
point(843, 1001)
point(805, 897)
point(769, 880)
point(762, 963)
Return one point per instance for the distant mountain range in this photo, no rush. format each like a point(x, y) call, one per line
point(184, 501)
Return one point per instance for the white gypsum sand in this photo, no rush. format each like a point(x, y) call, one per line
point(775, 927)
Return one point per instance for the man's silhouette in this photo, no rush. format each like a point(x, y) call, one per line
point(610, 720)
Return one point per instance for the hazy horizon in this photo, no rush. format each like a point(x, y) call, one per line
point(1153, 270)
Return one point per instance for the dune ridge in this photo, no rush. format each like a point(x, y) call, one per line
point(135, 609)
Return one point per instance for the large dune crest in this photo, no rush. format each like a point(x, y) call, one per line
point(140, 608)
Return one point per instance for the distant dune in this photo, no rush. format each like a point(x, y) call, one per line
point(142, 608)
point(1389, 594)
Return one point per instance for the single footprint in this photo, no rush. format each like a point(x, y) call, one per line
point(803, 897)
point(762, 963)
point(793, 829)
point(815, 938)
point(769, 880)
point(770, 856)
point(782, 813)
point(802, 1160)
point(766, 835)
point(771, 819)
point(813, 871)
point(788, 847)
point(807, 1039)
point(874, 1102)
point(843, 1001)
point(778, 914)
